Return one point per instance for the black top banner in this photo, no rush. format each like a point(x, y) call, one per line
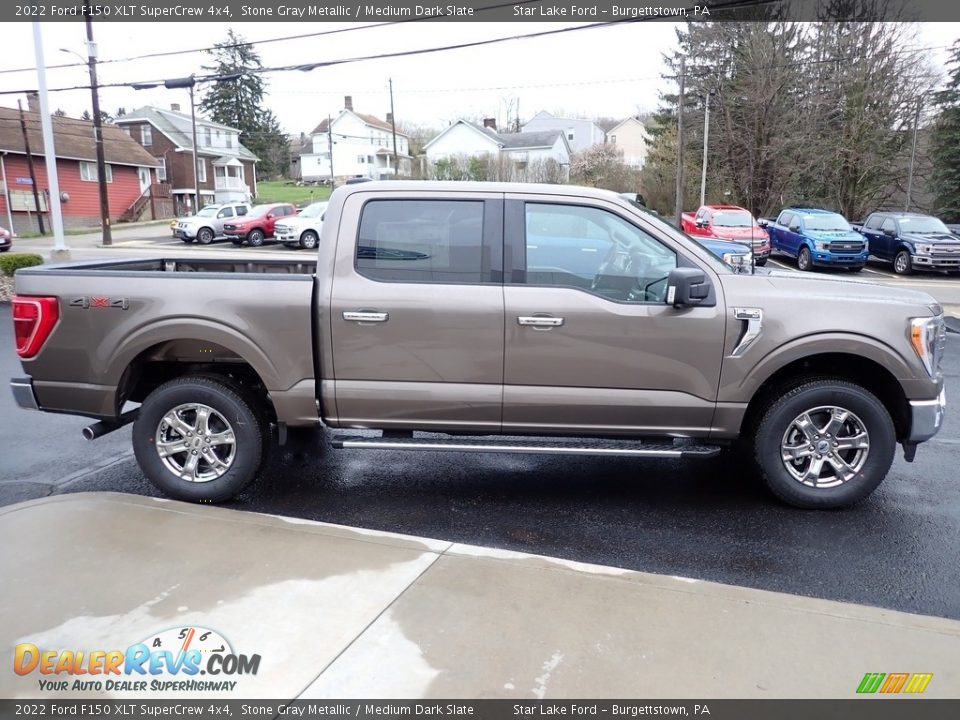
point(373, 11)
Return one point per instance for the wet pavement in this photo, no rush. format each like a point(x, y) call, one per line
point(701, 519)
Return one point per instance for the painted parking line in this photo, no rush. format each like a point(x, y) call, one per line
point(780, 264)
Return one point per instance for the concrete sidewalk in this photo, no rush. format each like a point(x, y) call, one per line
point(338, 612)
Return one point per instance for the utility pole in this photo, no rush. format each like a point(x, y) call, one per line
point(706, 140)
point(393, 122)
point(913, 156)
point(33, 173)
point(679, 198)
point(330, 147)
point(193, 131)
point(98, 131)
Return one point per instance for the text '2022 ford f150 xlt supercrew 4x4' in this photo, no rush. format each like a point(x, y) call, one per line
point(481, 313)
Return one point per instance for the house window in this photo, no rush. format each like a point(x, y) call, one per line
point(207, 137)
point(146, 135)
point(613, 139)
point(88, 172)
point(162, 170)
point(569, 134)
point(369, 158)
point(361, 159)
point(201, 170)
point(126, 130)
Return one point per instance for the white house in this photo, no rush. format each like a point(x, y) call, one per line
point(362, 146)
point(464, 139)
point(630, 136)
point(581, 134)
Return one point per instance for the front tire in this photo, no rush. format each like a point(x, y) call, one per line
point(255, 237)
point(902, 263)
point(205, 236)
point(199, 439)
point(804, 260)
point(856, 268)
point(309, 239)
point(824, 444)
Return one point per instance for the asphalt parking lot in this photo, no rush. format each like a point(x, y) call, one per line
point(702, 519)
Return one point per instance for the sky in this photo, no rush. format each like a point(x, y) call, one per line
point(605, 72)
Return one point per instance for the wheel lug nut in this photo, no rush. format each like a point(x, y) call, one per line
point(195, 452)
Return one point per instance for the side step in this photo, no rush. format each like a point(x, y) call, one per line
point(579, 447)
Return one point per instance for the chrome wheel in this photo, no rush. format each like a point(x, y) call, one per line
point(195, 442)
point(825, 447)
point(901, 264)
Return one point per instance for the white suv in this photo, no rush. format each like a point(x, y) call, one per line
point(208, 224)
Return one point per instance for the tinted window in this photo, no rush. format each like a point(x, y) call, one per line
point(241, 211)
point(596, 251)
point(785, 218)
point(421, 241)
point(225, 213)
point(888, 224)
point(873, 222)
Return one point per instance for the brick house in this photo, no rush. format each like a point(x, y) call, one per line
point(131, 180)
point(227, 170)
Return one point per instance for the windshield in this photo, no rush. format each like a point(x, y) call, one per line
point(314, 211)
point(922, 225)
point(826, 223)
point(736, 218)
point(208, 211)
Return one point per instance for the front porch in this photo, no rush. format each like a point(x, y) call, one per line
point(229, 183)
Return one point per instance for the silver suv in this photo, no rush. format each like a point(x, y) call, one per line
point(208, 224)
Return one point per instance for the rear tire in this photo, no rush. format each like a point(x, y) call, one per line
point(212, 434)
point(804, 261)
point(824, 444)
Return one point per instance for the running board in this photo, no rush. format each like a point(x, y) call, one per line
point(594, 447)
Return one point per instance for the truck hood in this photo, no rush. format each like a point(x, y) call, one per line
point(739, 234)
point(835, 235)
point(931, 239)
point(844, 291)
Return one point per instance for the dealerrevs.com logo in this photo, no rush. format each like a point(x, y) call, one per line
point(176, 660)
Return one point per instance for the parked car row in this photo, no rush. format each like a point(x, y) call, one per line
point(6, 239)
point(242, 224)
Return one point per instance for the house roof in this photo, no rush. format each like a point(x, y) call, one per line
point(509, 141)
point(72, 139)
point(176, 126)
point(613, 130)
point(371, 120)
point(551, 116)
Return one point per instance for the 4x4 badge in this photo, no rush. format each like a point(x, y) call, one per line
point(99, 301)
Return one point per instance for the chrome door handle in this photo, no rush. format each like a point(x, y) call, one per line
point(365, 316)
point(538, 321)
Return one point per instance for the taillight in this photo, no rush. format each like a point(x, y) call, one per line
point(33, 319)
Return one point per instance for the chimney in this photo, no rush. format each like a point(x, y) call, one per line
point(175, 107)
point(490, 123)
point(389, 118)
point(33, 102)
point(348, 102)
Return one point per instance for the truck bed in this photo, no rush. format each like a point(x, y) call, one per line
point(117, 317)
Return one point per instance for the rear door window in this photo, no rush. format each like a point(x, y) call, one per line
point(422, 241)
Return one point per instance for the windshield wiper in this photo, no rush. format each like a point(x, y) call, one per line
point(368, 252)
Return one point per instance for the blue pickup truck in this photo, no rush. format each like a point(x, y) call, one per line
point(817, 237)
point(911, 241)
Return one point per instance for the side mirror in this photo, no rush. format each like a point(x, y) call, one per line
point(889, 233)
point(762, 222)
point(795, 228)
point(270, 216)
point(701, 223)
point(687, 286)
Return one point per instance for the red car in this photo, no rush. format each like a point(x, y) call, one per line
point(257, 225)
point(729, 222)
point(6, 239)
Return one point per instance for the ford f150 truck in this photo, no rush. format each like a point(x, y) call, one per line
point(911, 241)
point(818, 237)
point(427, 310)
point(730, 223)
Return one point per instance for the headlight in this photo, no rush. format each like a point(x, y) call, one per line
point(821, 244)
point(736, 259)
point(929, 338)
point(924, 249)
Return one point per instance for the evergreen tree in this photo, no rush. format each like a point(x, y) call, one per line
point(239, 103)
point(946, 144)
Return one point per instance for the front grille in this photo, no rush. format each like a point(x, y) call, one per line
point(946, 250)
point(850, 247)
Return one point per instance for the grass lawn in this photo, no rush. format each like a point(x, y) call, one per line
point(285, 191)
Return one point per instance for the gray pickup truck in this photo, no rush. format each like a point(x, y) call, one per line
point(487, 318)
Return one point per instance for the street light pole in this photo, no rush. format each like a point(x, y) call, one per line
point(98, 131)
point(679, 190)
point(706, 140)
point(193, 131)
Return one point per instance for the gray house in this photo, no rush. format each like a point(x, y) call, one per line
point(580, 134)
